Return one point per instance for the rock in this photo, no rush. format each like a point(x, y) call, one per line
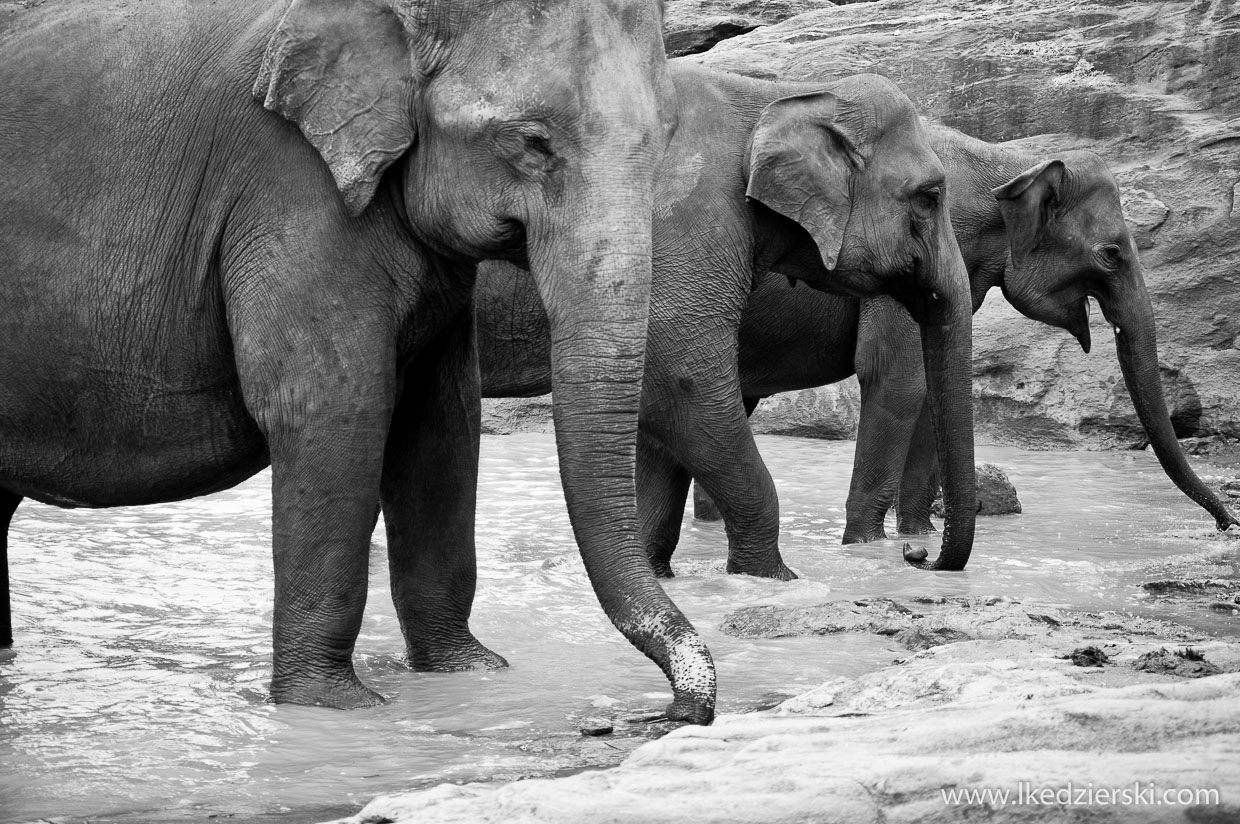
point(693, 26)
point(1210, 594)
point(506, 416)
point(1144, 213)
point(700, 37)
point(1191, 586)
point(995, 493)
point(829, 412)
point(596, 726)
point(1152, 87)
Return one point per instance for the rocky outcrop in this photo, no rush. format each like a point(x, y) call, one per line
point(693, 26)
point(1152, 87)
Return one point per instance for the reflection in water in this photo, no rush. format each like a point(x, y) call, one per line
point(139, 677)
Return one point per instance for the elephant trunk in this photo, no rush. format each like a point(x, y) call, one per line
point(1135, 344)
point(947, 351)
point(594, 277)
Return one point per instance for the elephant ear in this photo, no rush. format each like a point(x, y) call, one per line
point(801, 160)
point(1027, 203)
point(342, 71)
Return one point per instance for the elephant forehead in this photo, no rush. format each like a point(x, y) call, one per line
point(677, 181)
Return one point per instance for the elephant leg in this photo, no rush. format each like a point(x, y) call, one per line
point(919, 485)
point(720, 452)
point(429, 492)
point(325, 482)
point(893, 388)
point(704, 507)
point(323, 398)
point(691, 402)
point(662, 486)
point(8, 505)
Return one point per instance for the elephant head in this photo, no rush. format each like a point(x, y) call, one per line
point(851, 165)
point(528, 130)
point(1068, 242)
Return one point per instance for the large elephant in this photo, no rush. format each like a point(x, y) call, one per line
point(1049, 232)
point(834, 184)
point(240, 233)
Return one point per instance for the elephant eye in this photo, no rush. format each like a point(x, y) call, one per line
point(529, 147)
point(926, 201)
point(539, 142)
point(1110, 256)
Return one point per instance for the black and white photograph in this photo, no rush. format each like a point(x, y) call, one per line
point(619, 411)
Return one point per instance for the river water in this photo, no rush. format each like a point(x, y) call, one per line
point(136, 688)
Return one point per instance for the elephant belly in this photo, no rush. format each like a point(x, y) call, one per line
point(115, 437)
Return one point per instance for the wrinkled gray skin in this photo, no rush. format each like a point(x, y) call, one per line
point(235, 234)
point(1047, 231)
point(833, 183)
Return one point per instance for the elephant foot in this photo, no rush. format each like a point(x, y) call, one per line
point(768, 569)
point(662, 567)
point(864, 534)
point(915, 526)
point(344, 693)
point(469, 655)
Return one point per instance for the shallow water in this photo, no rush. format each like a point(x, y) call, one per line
point(138, 680)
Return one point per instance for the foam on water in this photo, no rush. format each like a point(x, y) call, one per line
point(138, 681)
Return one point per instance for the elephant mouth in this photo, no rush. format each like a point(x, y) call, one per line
point(1076, 324)
point(1079, 326)
point(1082, 336)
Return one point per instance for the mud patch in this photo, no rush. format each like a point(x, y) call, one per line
point(1088, 657)
point(1184, 663)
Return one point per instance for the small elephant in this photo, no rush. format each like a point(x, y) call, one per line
point(1049, 232)
point(834, 184)
point(243, 233)
point(1050, 237)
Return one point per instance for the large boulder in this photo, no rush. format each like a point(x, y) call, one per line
point(1152, 87)
point(995, 494)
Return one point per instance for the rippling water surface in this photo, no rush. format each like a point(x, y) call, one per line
point(138, 679)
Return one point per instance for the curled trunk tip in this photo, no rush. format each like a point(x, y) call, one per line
point(946, 562)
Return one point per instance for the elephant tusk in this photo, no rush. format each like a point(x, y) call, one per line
point(1117, 331)
point(934, 295)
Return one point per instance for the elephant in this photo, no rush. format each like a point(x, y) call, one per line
point(1049, 232)
point(244, 234)
point(834, 184)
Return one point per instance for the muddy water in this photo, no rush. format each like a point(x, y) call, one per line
point(137, 684)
